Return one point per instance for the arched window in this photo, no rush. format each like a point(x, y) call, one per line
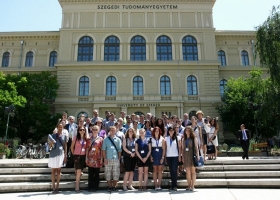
point(165, 88)
point(192, 85)
point(139, 113)
point(138, 86)
point(6, 59)
point(222, 58)
point(85, 49)
point(189, 45)
point(245, 58)
point(53, 58)
point(29, 59)
point(223, 84)
point(138, 48)
point(191, 114)
point(111, 86)
point(112, 49)
point(164, 48)
point(84, 86)
point(81, 114)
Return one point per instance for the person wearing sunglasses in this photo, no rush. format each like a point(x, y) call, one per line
point(78, 149)
point(94, 158)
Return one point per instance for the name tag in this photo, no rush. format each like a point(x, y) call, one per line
point(187, 149)
point(83, 149)
point(60, 148)
point(133, 150)
point(142, 151)
point(157, 149)
point(93, 149)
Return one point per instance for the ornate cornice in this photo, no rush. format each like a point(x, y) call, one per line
point(30, 35)
point(235, 34)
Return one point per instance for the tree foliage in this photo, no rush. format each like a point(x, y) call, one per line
point(34, 120)
point(249, 101)
point(268, 44)
point(9, 92)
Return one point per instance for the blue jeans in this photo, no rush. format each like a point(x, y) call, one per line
point(173, 166)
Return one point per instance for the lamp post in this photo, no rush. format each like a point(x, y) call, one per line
point(9, 110)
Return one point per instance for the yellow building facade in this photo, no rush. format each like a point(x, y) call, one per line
point(136, 56)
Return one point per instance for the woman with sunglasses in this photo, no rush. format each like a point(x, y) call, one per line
point(143, 152)
point(94, 158)
point(157, 157)
point(57, 156)
point(78, 149)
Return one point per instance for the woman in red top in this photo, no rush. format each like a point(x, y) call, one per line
point(94, 159)
point(78, 149)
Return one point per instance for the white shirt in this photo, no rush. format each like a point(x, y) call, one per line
point(171, 150)
point(157, 143)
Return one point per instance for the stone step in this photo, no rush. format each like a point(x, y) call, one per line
point(200, 183)
point(43, 163)
point(211, 168)
point(165, 175)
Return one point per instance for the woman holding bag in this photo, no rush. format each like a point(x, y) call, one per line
point(57, 156)
point(189, 149)
point(94, 158)
point(78, 149)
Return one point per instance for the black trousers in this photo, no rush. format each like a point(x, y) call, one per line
point(245, 147)
point(93, 178)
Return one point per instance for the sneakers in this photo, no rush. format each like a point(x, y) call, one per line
point(125, 188)
point(130, 188)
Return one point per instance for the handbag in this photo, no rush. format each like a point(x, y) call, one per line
point(197, 162)
point(211, 148)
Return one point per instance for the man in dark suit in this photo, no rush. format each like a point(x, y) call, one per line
point(243, 136)
point(186, 121)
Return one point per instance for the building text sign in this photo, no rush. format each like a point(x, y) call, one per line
point(134, 7)
point(139, 105)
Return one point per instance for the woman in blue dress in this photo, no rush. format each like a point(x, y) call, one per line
point(143, 151)
point(158, 155)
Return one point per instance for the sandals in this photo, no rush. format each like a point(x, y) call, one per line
point(78, 191)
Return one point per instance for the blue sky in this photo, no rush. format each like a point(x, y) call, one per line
point(45, 15)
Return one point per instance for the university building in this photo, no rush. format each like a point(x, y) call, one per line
point(137, 56)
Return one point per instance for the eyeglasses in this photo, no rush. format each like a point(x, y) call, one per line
point(82, 129)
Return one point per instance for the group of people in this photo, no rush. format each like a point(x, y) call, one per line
point(130, 141)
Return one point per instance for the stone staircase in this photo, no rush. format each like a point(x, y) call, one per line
point(33, 175)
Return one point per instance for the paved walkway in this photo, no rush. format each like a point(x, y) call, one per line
point(209, 194)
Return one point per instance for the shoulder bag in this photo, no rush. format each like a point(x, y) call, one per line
point(197, 162)
point(211, 148)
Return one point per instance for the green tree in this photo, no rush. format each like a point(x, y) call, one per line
point(9, 92)
point(9, 95)
point(245, 102)
point(268, 44)
point(34, 120)
point(268, 48)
